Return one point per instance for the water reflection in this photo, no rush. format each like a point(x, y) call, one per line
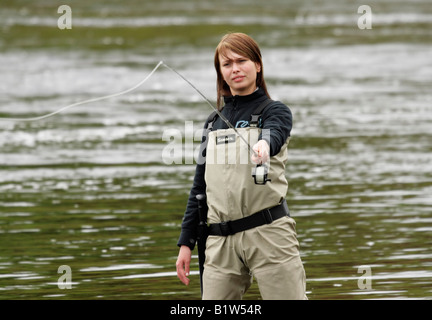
point(88, 188)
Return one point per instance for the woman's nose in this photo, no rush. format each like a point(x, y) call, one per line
point(235, 67)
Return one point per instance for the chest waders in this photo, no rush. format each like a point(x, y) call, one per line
point(235, 201)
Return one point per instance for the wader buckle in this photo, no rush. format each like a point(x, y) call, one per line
point(266, 214)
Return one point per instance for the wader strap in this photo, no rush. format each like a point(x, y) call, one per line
point(256, 115)
point(260, 218)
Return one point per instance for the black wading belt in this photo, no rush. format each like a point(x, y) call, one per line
point(266, 216)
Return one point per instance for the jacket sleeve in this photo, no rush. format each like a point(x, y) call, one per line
point(277, 118)
point(190, 221)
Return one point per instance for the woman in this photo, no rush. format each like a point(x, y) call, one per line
point(237, 249)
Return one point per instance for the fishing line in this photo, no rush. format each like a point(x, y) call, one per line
point(86, 101)
point(224, 119)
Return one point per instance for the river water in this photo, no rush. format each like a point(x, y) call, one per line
point(93, 188)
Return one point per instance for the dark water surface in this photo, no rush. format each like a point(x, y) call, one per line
point(89, 188)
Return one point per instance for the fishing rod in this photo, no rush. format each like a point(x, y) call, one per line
point(260, 172)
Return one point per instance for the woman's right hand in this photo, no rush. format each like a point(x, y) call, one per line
point(183, 264)
point(261, 152)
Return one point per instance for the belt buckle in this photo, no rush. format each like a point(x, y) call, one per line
point(267, 216)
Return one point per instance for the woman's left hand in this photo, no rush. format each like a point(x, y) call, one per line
point(262, 152)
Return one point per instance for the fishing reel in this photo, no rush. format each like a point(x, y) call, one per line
point(259, 173)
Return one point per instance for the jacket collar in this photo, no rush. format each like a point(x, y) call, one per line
point(240, 101)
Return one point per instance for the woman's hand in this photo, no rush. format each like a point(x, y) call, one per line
point(262, 152)
point(183, 264)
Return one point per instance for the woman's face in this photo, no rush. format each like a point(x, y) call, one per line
point(239, 73)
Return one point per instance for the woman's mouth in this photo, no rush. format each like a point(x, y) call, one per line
point(238, 78)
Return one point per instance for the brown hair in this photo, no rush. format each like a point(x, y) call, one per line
point(245, 46)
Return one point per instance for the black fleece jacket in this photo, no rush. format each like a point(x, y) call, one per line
point(238, 109)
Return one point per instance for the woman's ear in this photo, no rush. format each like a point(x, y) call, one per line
point(258, 67)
